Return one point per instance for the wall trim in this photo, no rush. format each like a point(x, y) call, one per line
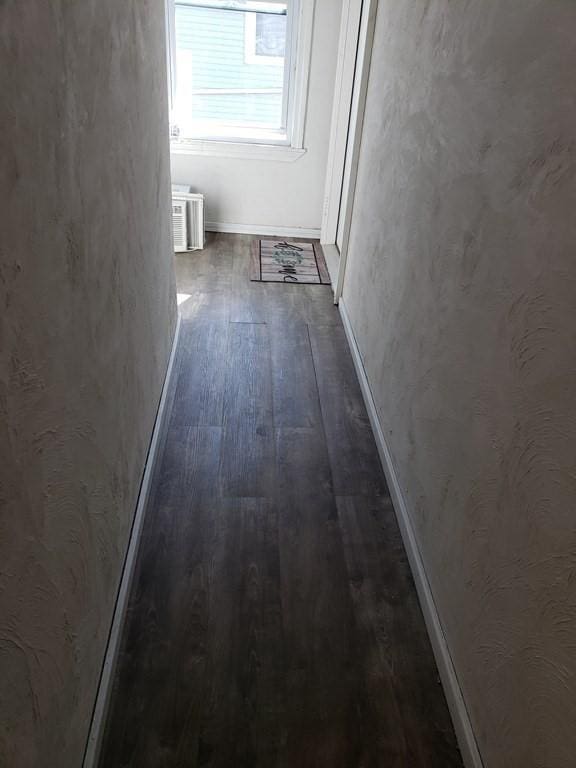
point(258, 229)
point(94, 743)
point(348, 46)
point(460, 717)
point(243, 150)
point(356, 132)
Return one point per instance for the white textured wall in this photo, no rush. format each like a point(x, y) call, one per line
point(274, 193)
point(87, 312)
point(461, 289)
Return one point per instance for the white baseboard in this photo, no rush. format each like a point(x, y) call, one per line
point(93, 745)
point(257, 229)
point(460, 718)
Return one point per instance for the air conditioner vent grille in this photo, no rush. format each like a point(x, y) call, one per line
point(188, 222)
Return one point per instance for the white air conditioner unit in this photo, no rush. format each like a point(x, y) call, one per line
point(180, 224)
point(187, 221)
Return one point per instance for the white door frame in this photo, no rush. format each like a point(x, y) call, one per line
point(353, 69)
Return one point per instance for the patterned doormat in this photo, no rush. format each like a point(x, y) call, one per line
point(280, 261)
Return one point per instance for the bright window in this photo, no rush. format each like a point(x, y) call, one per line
point(232, 65)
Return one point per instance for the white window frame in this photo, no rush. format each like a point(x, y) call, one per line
point(251, 143)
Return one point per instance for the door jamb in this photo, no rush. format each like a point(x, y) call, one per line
point(347, 122)
point(343, 89)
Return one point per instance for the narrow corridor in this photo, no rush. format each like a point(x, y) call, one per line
point(273, 619)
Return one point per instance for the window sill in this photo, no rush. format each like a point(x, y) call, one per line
point(238, 149)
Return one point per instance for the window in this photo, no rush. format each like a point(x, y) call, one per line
point(235, 73)
point(265, 39)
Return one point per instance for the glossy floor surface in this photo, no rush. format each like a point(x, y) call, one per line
point(273, 621)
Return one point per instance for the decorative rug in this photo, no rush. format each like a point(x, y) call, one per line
point(281, 261)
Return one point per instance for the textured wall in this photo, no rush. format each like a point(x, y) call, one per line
point(461, 288)
point(87, 312)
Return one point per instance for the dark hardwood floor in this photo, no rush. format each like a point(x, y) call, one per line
point(273, 621)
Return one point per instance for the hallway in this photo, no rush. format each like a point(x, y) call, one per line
point(273, 620)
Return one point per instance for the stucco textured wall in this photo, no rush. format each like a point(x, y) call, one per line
point(87, 314)
point(461, 289)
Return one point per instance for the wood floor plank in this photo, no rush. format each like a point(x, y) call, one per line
point(322, 718)
point(189, 466)
point(199, 393)
point(354, 459)
point(243, 713)
point(289, 304)
point(205, 281)
point(246, 305)
point(209, 305)
point(294, 391)
point(405, 717)
point(154, 718)
point(247, 467)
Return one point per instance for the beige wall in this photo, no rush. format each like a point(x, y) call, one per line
point(461, 289)
point(87, 313)
point(269, 193)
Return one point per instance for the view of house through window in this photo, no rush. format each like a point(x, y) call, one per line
point(231, 65)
